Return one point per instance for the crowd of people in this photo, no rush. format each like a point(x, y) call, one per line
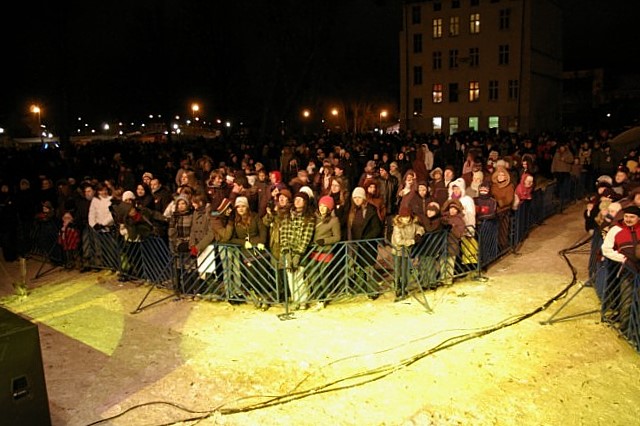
point(297, 196)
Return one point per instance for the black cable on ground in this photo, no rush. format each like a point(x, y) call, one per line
point(367, 376)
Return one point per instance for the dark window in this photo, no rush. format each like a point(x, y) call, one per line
point(514, 89)
point(416, 14)
point(437, 6)
point(437, 60)
point(453, 58)
point(474, 57)
point(505, 15)
point(503, 54)
point(417, 106)
point(417, 43)
point(453, 92)
point(493, 90)
point(417, 75)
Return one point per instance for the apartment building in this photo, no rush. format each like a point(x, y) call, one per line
point(481, 64)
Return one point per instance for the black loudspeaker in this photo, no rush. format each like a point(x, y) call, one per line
point(23, 391)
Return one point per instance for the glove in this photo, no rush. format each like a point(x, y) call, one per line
point(320, 242)
point(295, 262)
point(248, 245)
point(260, 246)
point(193, 251)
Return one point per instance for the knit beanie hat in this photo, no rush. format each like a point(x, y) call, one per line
point(286, 193)
point(327, 201)
point(128, 195)
point(307, 191)
point(302, 195)
point(359, 192)
point(242, 201)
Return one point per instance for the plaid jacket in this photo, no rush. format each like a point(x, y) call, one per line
point(296, 233)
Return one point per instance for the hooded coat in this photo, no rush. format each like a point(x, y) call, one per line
point(503, 191)
point(469, 206)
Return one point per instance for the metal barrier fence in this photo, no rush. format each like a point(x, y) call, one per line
point(618, 288)
point(226, 272)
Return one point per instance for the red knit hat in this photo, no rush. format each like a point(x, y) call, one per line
point(327, 201)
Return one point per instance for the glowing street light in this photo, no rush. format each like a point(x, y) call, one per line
point(334, 112)
point(194, 109)
point(36, 110)
point(306, 113)
point(383, 114)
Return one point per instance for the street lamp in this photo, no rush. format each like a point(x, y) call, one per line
point(305, 118)
point(194, 109)
point(383, 114)
point(36, 110)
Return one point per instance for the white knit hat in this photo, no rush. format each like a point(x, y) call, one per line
point(242, 201)
point(359, 192)
point(307, 191)
point(128, 195)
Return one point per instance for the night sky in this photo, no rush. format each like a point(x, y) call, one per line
point(248, 59)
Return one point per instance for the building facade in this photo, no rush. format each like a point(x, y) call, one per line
point(482, 65)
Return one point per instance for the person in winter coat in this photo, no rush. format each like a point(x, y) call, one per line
point(504, 192)
point(620, 246)
point(327, 233)
point(407, 231)
point(469, 243)
point(364, 224)
point(180, 225)
point(69, 241)
point(452, 213)
point(296, 234)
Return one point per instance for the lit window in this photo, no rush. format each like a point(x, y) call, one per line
point(437, 28)
point(474, 23)
point(493, 90)
point(437, 60)
point(503, 54)
point(437, 93)
point(454, 26)
point(417, 43)
point(453, 125)
point(474, 91)
point(473, 123)
point(437, 124)
point(505, 15)
point(494, 122)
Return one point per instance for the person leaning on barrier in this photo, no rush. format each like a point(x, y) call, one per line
point(296, 234)
point(620, 245)
point(248, 232)
point(453, 220)
point(275, 215)
point(326, 234)
point(363, 223)
point(406, 233)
